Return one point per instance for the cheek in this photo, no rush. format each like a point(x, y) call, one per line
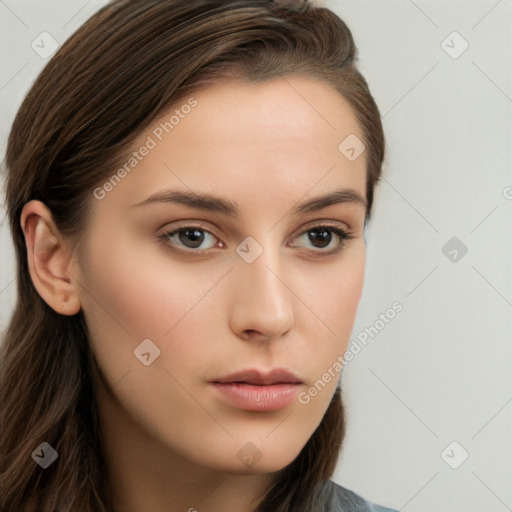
point(345, 294)
point(132, 296)
point(332, 295)
point(333, 291)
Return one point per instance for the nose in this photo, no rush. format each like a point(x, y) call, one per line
point(262, 300)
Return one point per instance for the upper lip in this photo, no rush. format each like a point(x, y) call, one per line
point(261, 378)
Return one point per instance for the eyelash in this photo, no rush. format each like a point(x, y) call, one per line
point(343, 235)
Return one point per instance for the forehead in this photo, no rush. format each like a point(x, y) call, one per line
point(279, 137)
point(302, 107)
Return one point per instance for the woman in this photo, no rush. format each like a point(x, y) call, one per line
point(188, 186)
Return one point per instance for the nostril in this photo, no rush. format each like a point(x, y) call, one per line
point(252, 333)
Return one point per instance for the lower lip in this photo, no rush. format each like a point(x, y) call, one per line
point(258, 398)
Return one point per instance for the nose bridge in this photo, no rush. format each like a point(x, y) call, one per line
point(262, 300)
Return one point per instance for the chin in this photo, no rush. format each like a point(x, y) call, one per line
point(246, 459)
point(259, 468)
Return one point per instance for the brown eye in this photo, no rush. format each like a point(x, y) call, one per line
point(189, 237)
point(322, 236)
point(192, 239)
point(196, 236)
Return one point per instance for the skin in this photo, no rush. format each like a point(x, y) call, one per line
point(170, 442)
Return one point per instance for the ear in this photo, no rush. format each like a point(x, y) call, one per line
point(50, 259)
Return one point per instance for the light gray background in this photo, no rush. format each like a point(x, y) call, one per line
point(441, 370)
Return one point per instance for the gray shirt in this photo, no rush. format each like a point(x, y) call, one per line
point(345, 500)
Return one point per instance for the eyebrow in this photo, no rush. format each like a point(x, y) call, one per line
point(210, 202)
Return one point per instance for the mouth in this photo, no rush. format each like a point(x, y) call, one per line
point(253, 390)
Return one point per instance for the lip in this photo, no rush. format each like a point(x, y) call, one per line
point(260, 378)
point(254, 390)
point(250, 397)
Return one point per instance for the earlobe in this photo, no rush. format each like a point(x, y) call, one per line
point(49, 259)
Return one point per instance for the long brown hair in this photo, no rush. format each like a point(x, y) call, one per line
point(128, 64)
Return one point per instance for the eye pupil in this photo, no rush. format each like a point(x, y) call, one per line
point(195, 234)
point(323, 235)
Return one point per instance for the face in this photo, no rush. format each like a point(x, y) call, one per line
point(180, 295)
